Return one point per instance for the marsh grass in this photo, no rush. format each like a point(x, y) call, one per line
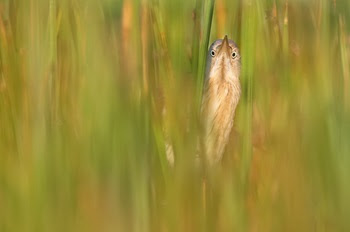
point(84, 85)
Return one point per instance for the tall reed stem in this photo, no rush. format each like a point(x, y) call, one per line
point(206, 20)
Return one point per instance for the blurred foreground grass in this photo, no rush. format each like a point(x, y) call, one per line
point(82, 86)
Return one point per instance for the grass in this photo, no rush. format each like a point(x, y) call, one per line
point(82, 90)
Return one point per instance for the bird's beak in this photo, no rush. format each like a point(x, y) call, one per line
point(225, 48)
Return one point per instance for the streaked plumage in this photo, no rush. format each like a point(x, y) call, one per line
point(221, 95)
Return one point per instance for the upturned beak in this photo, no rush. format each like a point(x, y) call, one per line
point(225, 48)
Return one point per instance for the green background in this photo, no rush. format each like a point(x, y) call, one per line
point(83, 84)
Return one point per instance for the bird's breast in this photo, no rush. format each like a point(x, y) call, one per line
point(220, 99)
point(218, 108)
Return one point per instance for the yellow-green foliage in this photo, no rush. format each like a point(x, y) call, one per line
point(83, 86)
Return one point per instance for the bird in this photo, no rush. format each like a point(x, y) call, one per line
point(221, 94)
point(220, 97)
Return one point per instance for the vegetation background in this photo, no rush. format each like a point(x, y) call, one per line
point(82, 88)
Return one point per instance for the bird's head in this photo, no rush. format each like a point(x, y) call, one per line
point(223, 60)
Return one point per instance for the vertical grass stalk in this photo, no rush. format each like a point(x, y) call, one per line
point(52, 56)
point(248, 50)
point(207, 16)
point(285, 36)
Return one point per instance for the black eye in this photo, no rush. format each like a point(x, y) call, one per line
point(234, 54)
point(212, 53)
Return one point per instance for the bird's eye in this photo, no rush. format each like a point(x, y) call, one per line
point(234, 54)
point(212, 53)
